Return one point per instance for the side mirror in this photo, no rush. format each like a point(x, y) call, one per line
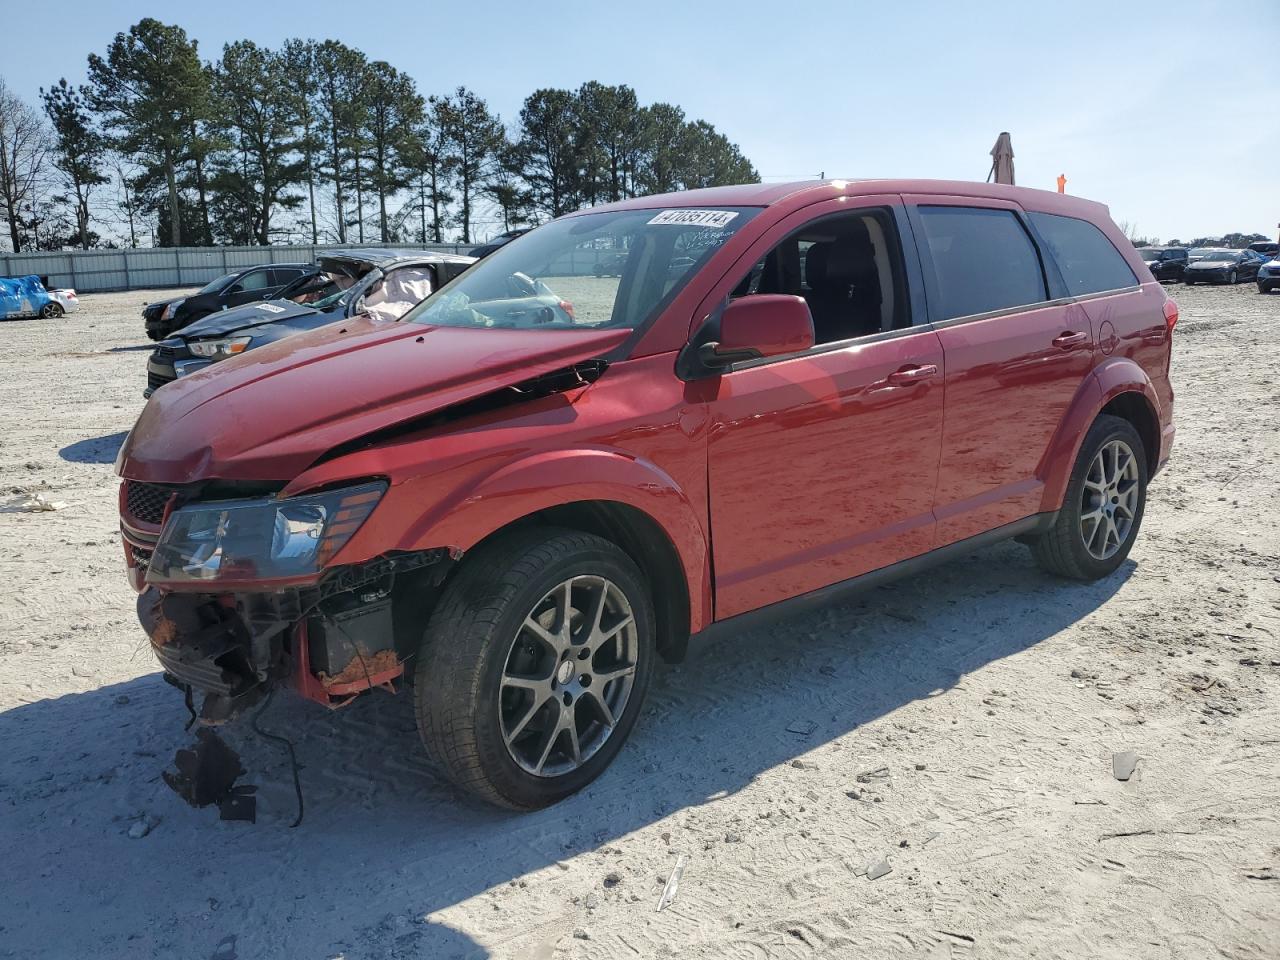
point(764, 325)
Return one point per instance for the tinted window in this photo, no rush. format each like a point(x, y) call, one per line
point(983, 260)
point(1088, 260)
point(282, 275)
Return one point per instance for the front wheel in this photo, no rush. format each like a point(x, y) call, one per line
point(1103, 506)
point(1232, 278)
point(534, 666)
point(51, 310)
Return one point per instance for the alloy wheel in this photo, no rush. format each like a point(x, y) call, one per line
point(1109, 500)
point(568, 676)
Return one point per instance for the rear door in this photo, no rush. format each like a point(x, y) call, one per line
point(1015, 354)
point(822, 464)
point(253, 286)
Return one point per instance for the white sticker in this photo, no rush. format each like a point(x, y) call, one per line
point(696, 218)
point(270, 308)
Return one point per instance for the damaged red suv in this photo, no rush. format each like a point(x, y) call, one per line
point(513, 500)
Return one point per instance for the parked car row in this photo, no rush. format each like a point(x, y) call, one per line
point(381, 283)
point(516, 500)
point(1214, 264)
point(24, 297)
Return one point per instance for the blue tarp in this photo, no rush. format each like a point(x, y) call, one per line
point(22, 297)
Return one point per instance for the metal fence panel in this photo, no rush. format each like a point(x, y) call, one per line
point(97, 271)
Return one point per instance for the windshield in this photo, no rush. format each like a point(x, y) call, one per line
point(1150, 254)
point(612, 269)
point(213, 286)
point(1220, 255)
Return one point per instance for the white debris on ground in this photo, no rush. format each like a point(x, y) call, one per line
point(959, 730)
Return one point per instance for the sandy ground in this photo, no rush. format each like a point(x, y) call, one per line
point(960, 724)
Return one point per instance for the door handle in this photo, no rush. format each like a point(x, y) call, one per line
point(1070, 339)
point(909, 375)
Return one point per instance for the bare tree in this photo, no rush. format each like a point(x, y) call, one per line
point(24, 148)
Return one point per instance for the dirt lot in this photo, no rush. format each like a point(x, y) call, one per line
point(960, 724)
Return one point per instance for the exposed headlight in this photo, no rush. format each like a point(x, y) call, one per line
point(171, 308)
point(220, 349)
point(260, 540)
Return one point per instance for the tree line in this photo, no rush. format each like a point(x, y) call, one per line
point(315, 141)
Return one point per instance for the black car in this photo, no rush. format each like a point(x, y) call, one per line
point(501, 240)
point(1165, 263)
point(222, 293)
point(1223, 266)
point(383, 284)
point(1267, 249)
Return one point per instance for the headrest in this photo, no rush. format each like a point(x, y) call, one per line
point(846, 259)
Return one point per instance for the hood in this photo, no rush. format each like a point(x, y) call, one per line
point(270, 413)
point(1212, 264)
point(224, 322)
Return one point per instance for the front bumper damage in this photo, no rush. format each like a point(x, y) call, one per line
point(328, 642)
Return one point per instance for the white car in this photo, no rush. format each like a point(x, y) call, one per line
point(63, 301)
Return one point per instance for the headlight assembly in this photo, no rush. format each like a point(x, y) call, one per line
point(220, 349)
point(260, 540)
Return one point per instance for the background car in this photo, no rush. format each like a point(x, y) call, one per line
point(1165, 263)
point(382, 283)
point(22, 297)
point(1269, 275)
point(501, 240)
point(1269, 249)
point(230, 290)
point(1223, 266)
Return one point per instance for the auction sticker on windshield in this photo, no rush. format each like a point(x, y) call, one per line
point(696, 218)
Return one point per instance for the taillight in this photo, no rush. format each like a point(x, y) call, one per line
point(567, 307)
point(1170, 315)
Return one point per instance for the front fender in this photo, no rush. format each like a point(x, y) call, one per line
point(1107, 381)
point(555, 478)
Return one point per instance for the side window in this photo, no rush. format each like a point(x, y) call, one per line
point(848, 267)
point(1088, 260)
point(983, 260)
point(282, 275)
point(257, 280)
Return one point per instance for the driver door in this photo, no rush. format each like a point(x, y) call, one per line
point(822, 465)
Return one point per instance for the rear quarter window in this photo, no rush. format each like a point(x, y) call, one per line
point(983, 260)
point(1088, 261)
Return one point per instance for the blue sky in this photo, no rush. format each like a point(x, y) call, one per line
point(1166, 111)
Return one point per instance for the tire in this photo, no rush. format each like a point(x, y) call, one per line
point(51, 310)
point(495, 675)
point(1232, 278)
point(1073, 547)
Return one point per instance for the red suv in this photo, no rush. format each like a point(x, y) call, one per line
point(515, 498)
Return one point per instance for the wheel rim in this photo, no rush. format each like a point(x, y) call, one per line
point(1109, 500)
point(568, 676)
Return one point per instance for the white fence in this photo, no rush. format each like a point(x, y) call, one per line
point(90, 271)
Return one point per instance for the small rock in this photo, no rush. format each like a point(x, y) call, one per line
point(732, 837)
point(592, 901)
point(81, 671)
point(919, 766)
point(802, 727)
point(140, 829)
point(122, 699)
point(612, 879)
point(878, 870)
point(1123, 764)
point(580, 934)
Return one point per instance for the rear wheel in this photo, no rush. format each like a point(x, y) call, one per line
point(534, 666)
point(51, 310)
point(1103, 506)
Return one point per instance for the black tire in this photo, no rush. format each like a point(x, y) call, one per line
point(1232, 278)
point(471, 636)
point(1062, 549)
point(51, 310)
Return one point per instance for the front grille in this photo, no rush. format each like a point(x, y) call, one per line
point(157, 380)
point(141, 557)
point(164, 353)
point(146, 502)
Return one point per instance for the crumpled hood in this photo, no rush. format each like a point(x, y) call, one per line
point(270, 413)
point(225, 322)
